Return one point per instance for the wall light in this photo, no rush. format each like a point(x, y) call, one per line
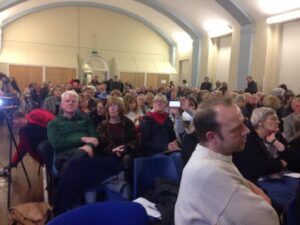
point(217, 28)
point(284, 17)
point(272, 7)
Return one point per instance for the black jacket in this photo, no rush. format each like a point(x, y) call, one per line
point(156, 137)
point(189, 143)
point(251, 87)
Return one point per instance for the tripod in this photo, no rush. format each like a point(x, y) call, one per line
point(8, 115)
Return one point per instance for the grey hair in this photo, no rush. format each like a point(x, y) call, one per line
point(260, 115)
point(68, 93)
point(162, 96)
point(240, 97)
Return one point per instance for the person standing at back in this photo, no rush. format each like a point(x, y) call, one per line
point(212, 190)
point(251, 85)
point(206, 85)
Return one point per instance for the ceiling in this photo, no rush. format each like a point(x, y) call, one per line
point(174, 19)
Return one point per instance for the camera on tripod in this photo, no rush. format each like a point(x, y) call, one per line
point(9, 102)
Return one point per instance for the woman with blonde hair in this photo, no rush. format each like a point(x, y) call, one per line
point(157, 129)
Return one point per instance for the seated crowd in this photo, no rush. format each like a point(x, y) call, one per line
point(248, 143)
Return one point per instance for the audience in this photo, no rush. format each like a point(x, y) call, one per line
point(72, 134)
point(149, 101)
point(157, 129)
point(266, 158)
point(132, 110)
point(99, 114)
point(52, 102)
point(288, 121)
point(84, 157)
point(212, 191)
point(117, 134)
point(206, 85)
point(251, 85)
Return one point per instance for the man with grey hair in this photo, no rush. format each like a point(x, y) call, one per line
point(72, 134)
point(212, 190)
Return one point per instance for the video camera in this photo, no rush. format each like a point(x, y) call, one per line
point(8, 102)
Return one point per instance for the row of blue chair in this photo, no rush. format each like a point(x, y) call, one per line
point(104, 213)
point(168, 166)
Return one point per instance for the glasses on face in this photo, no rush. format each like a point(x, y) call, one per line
point(273, 118)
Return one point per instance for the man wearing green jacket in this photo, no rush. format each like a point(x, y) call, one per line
point(72, 134)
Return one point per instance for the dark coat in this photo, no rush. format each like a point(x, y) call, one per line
point(130, 137)
point(206, 86)
point(189, 144)
point(156, 137)
point(254, 161)
point(251, 87)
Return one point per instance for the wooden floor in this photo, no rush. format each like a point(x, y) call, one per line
point(20, 191)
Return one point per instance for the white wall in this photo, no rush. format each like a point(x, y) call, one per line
point(59, 36)
point(223, 59)
point(290, 56)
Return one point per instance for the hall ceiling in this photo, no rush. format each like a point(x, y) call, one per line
point(168, 16)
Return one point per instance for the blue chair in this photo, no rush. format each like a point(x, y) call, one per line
point(148, 168)
point(177, 158)
point(292, 217)
point(104, 213)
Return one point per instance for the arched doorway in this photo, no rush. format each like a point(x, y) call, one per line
point(93, 66)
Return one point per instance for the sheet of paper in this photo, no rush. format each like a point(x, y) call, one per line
point(293, 175)
point(150, 207)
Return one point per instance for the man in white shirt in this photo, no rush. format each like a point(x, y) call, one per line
point(212, 190)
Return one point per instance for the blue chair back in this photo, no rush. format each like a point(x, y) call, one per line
point(292, 217)
point(176, 157)
point(104, 213)
point(148, 168)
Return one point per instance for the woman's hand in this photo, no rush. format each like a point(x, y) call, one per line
point(118, 150)
point(172, 146)
point(273, 141)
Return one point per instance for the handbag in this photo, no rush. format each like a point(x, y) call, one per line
point(114, 188)
point(118, 184)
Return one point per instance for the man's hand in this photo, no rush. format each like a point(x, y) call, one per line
point(256, 190)
point(176, 112)
point(92, 140)
point(88, 149)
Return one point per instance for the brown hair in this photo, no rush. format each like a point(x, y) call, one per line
point(128, 100)
point(117, 101)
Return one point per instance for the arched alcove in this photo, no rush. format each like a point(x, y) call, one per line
point(93, 66)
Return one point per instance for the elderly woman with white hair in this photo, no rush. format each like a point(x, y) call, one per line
point(266, 158)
